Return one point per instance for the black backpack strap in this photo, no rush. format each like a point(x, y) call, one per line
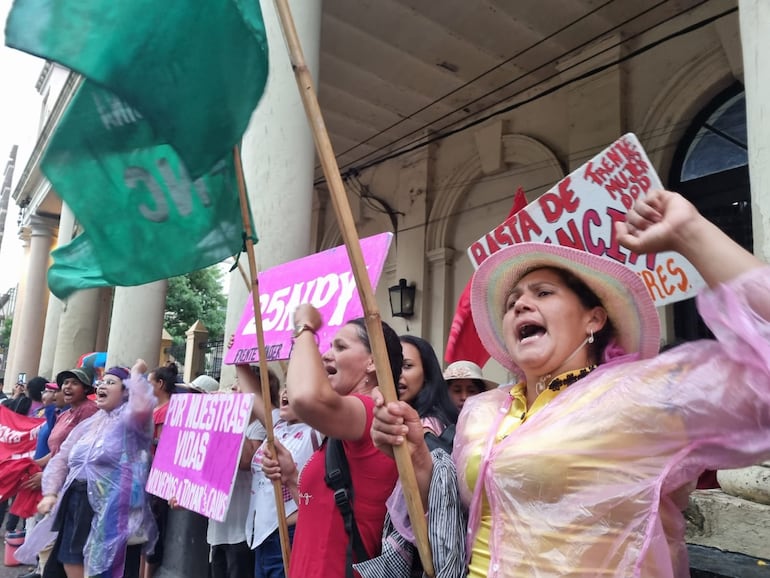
point(338, 479)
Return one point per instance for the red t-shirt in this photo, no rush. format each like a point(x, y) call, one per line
point(320, 540)
point(67, 421)
point(158, 419)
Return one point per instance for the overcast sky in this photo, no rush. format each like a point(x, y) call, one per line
point(19, 112)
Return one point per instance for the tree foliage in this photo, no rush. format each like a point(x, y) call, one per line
point(197, 295)
point(5, 334)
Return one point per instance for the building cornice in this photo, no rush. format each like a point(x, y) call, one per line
point(29, 183)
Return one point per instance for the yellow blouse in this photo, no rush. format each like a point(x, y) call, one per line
point(517, 415)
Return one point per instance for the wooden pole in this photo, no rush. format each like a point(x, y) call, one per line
point(350, 236)
point(244, 276)
point(283, 529)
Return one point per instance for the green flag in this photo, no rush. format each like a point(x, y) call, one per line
point(143, 152)
point(194, 70)
point(145, 218)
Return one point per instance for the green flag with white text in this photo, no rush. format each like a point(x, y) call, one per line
point(144, 217)
point(143, 152)
point(194, 70)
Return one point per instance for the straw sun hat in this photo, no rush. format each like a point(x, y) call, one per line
point(622, 293)
point(467, 370)
point(204, 384)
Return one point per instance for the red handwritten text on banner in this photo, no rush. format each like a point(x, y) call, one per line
point(581, 211)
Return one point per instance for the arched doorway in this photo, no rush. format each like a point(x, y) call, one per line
point(711, 169)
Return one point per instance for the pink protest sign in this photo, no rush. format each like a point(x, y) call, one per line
point(198, 452)
point(324, 279)
point(581, 212)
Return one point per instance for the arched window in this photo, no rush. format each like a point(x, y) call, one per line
point(720, 143)
point(711, 169)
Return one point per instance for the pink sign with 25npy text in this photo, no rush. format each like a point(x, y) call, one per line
point(325, 280)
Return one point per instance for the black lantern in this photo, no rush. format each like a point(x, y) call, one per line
point(402, 299)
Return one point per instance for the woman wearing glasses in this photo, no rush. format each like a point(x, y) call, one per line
point(94, 486)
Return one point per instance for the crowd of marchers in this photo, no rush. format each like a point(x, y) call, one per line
point(579, 467)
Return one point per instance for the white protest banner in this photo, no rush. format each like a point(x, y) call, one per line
point(581, 212)
point(199, 449)
point(325, 280)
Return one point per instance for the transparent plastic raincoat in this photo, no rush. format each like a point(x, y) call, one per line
point(111, 451)
point(594, 483)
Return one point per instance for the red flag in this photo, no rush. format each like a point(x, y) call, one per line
point(18, 434)
point(463, 342)
point(18, 439)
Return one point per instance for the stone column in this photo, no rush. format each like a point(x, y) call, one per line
point(411, 265)
point(279, 158)
point(10, 366)
point(77, 328)
point(753, 483)
point(440, 266)
point(50, 336)
point(194, 361)
point(55, 306)
point(755, 22)
point(103, 325)
point(32, 313)
point(137, 324)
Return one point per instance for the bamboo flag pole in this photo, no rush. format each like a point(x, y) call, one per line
point(350, 236)
point(244, 276)
point(281, 362)
point(283, 529)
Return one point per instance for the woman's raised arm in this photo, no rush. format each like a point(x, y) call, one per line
point(310, 393)
point(666, 221)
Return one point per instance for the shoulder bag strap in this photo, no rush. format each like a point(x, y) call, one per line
point(338, 479)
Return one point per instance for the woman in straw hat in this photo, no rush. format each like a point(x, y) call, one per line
point(464, 379)
point(582, 468)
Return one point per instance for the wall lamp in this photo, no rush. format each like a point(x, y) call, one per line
point(402, 299)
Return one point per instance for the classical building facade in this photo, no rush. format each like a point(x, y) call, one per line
point(438, 113)
point(436, 124)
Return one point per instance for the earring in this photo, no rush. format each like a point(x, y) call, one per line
point(591, 336)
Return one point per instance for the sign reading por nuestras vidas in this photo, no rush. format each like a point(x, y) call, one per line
point(199, 449)
point(581, 212)
point(325, 280)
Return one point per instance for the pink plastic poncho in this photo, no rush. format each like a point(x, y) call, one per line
point(111, 451)
point(594, 484)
